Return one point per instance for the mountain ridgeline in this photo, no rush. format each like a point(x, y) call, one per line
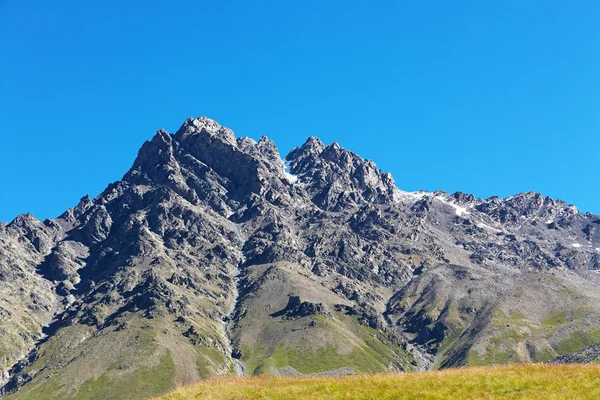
point(215, 256)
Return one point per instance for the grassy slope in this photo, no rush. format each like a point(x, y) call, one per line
point(120, 365)
point(370, 352)
point(491, 319)
point(504, 382)
point(312, 344)
point(148, 358)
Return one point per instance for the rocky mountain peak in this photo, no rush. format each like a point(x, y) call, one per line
point(214, 255)
point(337, 177)
point(205, 160)
point(195, 126)
point(312, 146)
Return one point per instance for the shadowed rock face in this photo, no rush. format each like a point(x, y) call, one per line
point(299, 309)
point(214, 256)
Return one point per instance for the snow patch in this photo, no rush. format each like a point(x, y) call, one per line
point(401, 195)
point(484, 226)
point(291, 178)
point(416, 195)
point(458, 209)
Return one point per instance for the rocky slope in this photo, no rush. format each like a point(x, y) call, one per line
point(215, 256)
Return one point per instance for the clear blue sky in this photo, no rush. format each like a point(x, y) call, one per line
point(486, 97)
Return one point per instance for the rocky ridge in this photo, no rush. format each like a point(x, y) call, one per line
point(213, 255)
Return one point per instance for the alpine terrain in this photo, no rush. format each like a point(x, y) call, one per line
point(215, 256)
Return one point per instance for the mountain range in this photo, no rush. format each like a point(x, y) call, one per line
point(213, 255)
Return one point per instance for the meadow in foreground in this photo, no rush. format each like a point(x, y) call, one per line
point(503, 382)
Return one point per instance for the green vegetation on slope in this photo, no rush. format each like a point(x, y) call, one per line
point(112, 365)
point(142, 383)
point(370, 350)
point(578, 341)
point(549, 382)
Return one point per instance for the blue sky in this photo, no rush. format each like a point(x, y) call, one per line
point(486, 97)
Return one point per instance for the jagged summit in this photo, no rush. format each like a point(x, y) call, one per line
point(322, 170)
point(213, 256)
point(336, 177)
point(194, 126)
point(312, 145)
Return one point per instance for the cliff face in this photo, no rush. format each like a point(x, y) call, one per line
point(213, 256)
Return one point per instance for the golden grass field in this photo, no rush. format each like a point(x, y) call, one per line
point(539, 382)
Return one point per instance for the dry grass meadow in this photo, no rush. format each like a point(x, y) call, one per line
point(545, 382)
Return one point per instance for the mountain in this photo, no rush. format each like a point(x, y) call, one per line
point(215, 256)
